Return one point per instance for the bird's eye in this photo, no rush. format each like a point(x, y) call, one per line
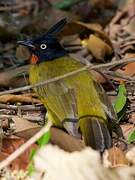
point(43, 46)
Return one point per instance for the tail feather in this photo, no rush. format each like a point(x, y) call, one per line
point(95, 133)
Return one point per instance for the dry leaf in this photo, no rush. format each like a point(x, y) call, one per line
point(130, 28)
point(65, 141)
point(116, 157)
point(114, 29)
point(28, 133)
point(130, 155)
point(3, 155)
point(97, 29)
point(129, 69)
point(78, 27)
point(132, 118)
point(10, 145)
point(99, 78)
point(98, 47)
point(102, 4)
point(127, 128)
point(18, 98)
point(91, 26)
point(24, 128)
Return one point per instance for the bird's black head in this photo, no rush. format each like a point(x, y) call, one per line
point(47, 46)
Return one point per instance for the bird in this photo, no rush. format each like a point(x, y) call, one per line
point(74, 103)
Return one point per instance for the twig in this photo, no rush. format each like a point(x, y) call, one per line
point(67, 75)
point(112, 93)
point(118, 75)
point(27, 117)
point(17, 6)
point(23, 108)
point(25, 146)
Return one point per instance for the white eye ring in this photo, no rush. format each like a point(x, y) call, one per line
point(43, 46)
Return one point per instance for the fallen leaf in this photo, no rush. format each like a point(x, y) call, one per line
point(10, 145)
point(126, 129)
point(98, 47)
point(129, 69)
point(97, 29)
point(132, 118)
point(130, 155)
point(130, 27)
point(114, 29)
point(99, 78)
point(66, 141)
point(18, 98)
point(78, 27)
point(25, 129)
point(28, 132)
point(3, 156)
point(116, 157)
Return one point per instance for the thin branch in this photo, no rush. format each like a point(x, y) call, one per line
point(118, 75)
point(27, 117)
point(112, 93)
point(25, 146)
point(17, 6)
point(22, 107)
point(84, 68)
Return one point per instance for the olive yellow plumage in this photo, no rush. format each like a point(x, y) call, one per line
point(73, 103)
point(74, 97)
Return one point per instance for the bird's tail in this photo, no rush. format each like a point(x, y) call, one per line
point(95, 133)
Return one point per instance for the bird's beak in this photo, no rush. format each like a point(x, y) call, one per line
point(27, 43)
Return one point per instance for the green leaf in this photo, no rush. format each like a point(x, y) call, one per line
point(33, 152)
point(131, 137)
point(44, 139)
point(66, 4)
point(121, 98)
point(31, 169)
point(41, 142)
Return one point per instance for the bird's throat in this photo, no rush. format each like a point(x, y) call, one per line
point(34, 59)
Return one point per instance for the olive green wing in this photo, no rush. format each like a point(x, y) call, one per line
point(59, 99)
point(109, 110)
